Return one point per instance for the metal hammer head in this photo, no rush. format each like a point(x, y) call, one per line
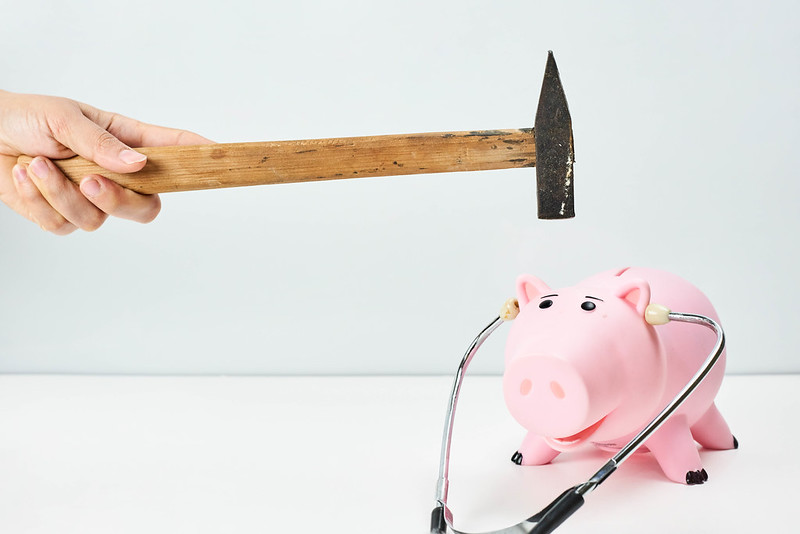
point(555, 154)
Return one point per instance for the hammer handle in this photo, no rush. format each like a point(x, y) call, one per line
point(191, 168)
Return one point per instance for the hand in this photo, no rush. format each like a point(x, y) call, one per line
point(53, 127)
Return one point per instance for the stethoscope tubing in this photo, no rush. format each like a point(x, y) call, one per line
point(549, 518)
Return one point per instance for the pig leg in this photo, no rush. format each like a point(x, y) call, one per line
point(534, 451)
point(675, 451)
point(712, 432)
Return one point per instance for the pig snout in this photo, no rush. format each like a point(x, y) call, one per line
point(559, 399)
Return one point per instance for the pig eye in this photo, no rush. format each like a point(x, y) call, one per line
point(545, 304)
point(588, 305)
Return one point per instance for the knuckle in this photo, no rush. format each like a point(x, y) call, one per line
point(56, 225)
point(152, 210)
point(182, 138)
point(58, 115)
point(65, 230)
point(92, 220)
point(109, 200)
point(27, 191)
point(60, 125)
point(104, 119)
point(105, 142)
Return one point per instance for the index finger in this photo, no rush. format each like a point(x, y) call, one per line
point(138, 134)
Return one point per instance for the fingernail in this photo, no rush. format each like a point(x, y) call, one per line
point(90, 187)
point(20, 174)
point(39, 167)
point(131, 156)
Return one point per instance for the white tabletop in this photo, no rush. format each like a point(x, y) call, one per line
point(277, 454)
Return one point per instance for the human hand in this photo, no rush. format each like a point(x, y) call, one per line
point(53, 128)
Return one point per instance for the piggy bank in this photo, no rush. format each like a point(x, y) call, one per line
point(583, 366)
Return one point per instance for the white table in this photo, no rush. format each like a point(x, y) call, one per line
point(82, 454)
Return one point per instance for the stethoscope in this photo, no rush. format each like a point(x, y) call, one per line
point(555, 513)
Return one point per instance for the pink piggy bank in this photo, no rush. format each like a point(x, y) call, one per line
point(583, 366)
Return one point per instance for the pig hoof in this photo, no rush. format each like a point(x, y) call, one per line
point(517, 458)
point(735, 443)
point(696, 477)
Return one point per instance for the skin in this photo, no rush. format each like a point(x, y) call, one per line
point(54, 128)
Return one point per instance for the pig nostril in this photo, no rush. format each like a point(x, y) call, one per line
point(525, 387)
point(557, 390)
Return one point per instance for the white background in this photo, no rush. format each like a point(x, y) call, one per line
point(685, 119)
point(352, 455)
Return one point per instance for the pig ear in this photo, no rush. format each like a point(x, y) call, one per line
point(636, 292)
point(528, 288)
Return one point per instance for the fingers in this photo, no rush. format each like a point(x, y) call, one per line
point(33, 205)
point(95, 143)
point(115, 200)
point(137, 133)
point(105, 138)
point(140, 134)
point(53, 201)
point(47, 197)
point(60, 127)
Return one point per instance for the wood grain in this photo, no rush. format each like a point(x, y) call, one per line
point(190, 168)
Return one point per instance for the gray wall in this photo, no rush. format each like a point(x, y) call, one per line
point(686, 125)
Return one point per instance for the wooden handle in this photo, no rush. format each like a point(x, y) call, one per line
point(190, 168)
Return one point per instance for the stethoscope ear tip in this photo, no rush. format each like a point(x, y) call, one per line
point(656, 314)
point(510, 310)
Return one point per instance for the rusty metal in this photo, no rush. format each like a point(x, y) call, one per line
point(555, 152)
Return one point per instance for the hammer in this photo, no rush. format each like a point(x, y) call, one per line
point(547, 146)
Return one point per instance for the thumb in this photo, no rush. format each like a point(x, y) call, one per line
point(94, 143)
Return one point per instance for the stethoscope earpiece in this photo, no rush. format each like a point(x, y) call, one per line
point(656, 314)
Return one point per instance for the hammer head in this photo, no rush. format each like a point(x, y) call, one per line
point(555, 154)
